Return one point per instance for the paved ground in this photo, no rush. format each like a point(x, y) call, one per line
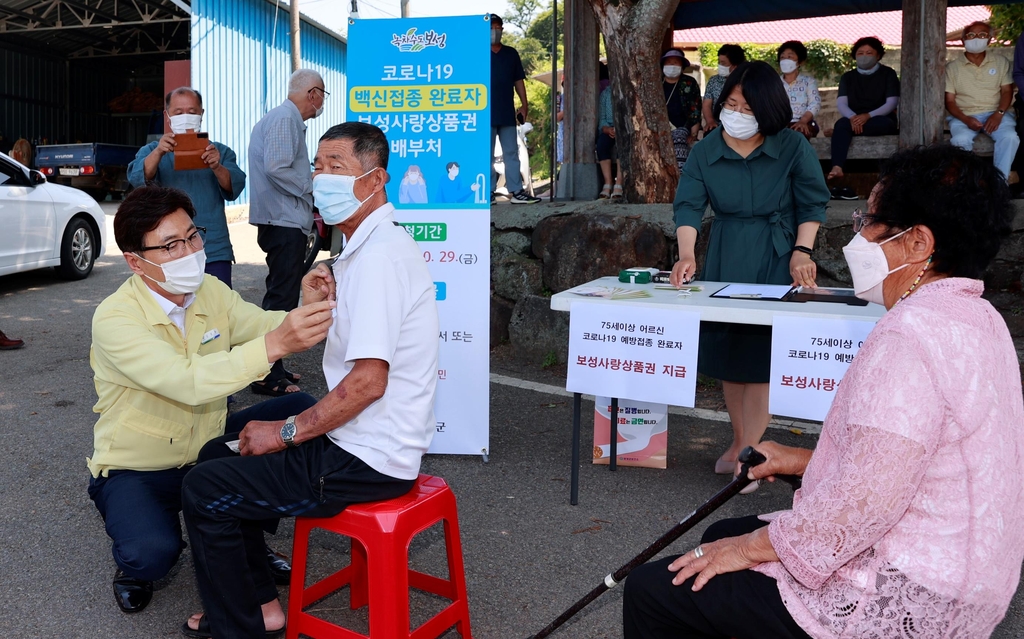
point(528, 554)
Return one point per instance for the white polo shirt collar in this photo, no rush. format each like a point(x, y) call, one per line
point(384, 213)
point(174, 312)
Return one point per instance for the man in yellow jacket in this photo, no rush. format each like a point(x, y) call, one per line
point(168, 347)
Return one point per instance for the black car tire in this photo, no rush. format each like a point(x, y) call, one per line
point(77, 250)
point(313, 245)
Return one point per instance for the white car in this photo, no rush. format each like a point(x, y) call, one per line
point(46, 224)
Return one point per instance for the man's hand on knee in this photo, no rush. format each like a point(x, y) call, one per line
point(261, 438)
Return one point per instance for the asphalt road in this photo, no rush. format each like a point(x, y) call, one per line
point(529, 554)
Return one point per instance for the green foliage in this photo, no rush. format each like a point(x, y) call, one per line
point(538, 141)
point(531, 52)
point(540, 29)
point(521, 14)
point(826, 60)
point(550, 359)
point(1007, 21)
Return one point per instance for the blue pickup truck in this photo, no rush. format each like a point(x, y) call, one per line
point(97, 169)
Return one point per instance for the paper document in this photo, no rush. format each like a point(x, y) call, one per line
point(233, 445)
point(611, 292)
point(754, 291)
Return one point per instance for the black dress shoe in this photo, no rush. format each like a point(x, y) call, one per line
point(131, 595)
point(279, 567)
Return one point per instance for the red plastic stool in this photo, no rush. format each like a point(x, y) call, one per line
point(379, 573)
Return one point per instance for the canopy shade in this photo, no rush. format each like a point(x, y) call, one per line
point(708, 13)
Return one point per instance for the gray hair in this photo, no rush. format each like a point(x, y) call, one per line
point(179, 91)
point(369, 144)
point(303, 80)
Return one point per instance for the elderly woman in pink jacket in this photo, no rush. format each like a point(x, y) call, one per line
point(910, 521)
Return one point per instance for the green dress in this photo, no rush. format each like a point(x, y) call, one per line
point(758, 202)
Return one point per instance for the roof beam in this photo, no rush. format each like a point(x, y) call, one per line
point(94, 25)
point(84, 6)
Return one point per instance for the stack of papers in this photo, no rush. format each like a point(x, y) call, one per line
point(754, 291)
point(611, 292)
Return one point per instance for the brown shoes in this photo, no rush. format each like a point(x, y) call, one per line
point(8, 344)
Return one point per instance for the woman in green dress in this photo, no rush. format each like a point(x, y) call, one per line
point(768, 194)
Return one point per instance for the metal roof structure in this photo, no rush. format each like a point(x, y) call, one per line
point(88, 29)
point(844, 29)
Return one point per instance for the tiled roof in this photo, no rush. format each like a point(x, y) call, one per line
point(887, 26)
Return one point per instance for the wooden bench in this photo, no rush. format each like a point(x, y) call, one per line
point(880, 147)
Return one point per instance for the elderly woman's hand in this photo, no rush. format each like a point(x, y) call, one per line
point(803, 270)
point(723, 556)
point(779, 460)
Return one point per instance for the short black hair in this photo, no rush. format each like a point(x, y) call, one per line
point(179, 91)
point(872, 42)
point(734, 52)
point(141, 212)
point(764, 93)
point(448, 167)
point(496, 19)
point(796, 47)
point(961, 197)
point(369, 144)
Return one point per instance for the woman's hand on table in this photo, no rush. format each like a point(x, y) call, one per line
point(803, 270)
point(684, 270)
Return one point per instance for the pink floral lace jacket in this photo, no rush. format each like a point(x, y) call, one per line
point(910, 522)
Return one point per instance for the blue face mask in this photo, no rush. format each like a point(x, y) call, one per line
point(334, 196)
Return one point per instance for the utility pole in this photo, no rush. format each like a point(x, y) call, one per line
point(296, 45)
point(405, 8)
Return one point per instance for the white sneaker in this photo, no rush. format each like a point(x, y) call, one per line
point(522, 197)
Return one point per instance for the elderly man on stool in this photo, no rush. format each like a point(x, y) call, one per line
point(364, 440)
point(168, 347)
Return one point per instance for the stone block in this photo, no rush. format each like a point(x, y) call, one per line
point(517, 241)
point(577, 248)
point(514, 276)
point(501, 314)
point(535, 330)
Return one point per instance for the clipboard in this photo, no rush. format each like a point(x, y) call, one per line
point(825, 294)
point(188, 152)
point(763, 292)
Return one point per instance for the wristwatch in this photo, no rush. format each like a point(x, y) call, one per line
point(1001, 111)
point(288, 432)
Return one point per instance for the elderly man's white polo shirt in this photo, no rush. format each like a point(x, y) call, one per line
point(386, 310)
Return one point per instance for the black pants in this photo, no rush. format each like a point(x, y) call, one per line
point(286, 252)
point(225, 500)
point(140, 508)
point(842, 135)
point(744, 604)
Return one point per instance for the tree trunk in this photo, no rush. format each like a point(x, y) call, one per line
point(633, 34)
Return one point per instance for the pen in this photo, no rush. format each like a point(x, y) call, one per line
point(749, 296)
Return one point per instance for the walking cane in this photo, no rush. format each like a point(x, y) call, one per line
point(749, 457)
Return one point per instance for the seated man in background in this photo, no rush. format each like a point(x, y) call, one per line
point(979, 90)
point(168, 347)
point(364, 440)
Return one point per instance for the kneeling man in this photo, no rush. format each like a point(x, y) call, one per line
point(364, 440)
point(168, 347)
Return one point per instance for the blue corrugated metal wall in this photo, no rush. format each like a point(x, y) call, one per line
point(241, 64)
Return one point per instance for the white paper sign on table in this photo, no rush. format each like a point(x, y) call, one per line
point(809, 358)
point(643, 353)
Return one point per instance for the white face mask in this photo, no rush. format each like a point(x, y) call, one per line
point(976, 45)
point(787, 66)
point(869, 267)
point(183, 275)
point(672, 70)
point(723, 70)
point(185, 122)
point(335, 198)
point(738, 125)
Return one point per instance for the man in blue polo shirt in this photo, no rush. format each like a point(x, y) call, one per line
point(208, 188)
point(507, 75)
